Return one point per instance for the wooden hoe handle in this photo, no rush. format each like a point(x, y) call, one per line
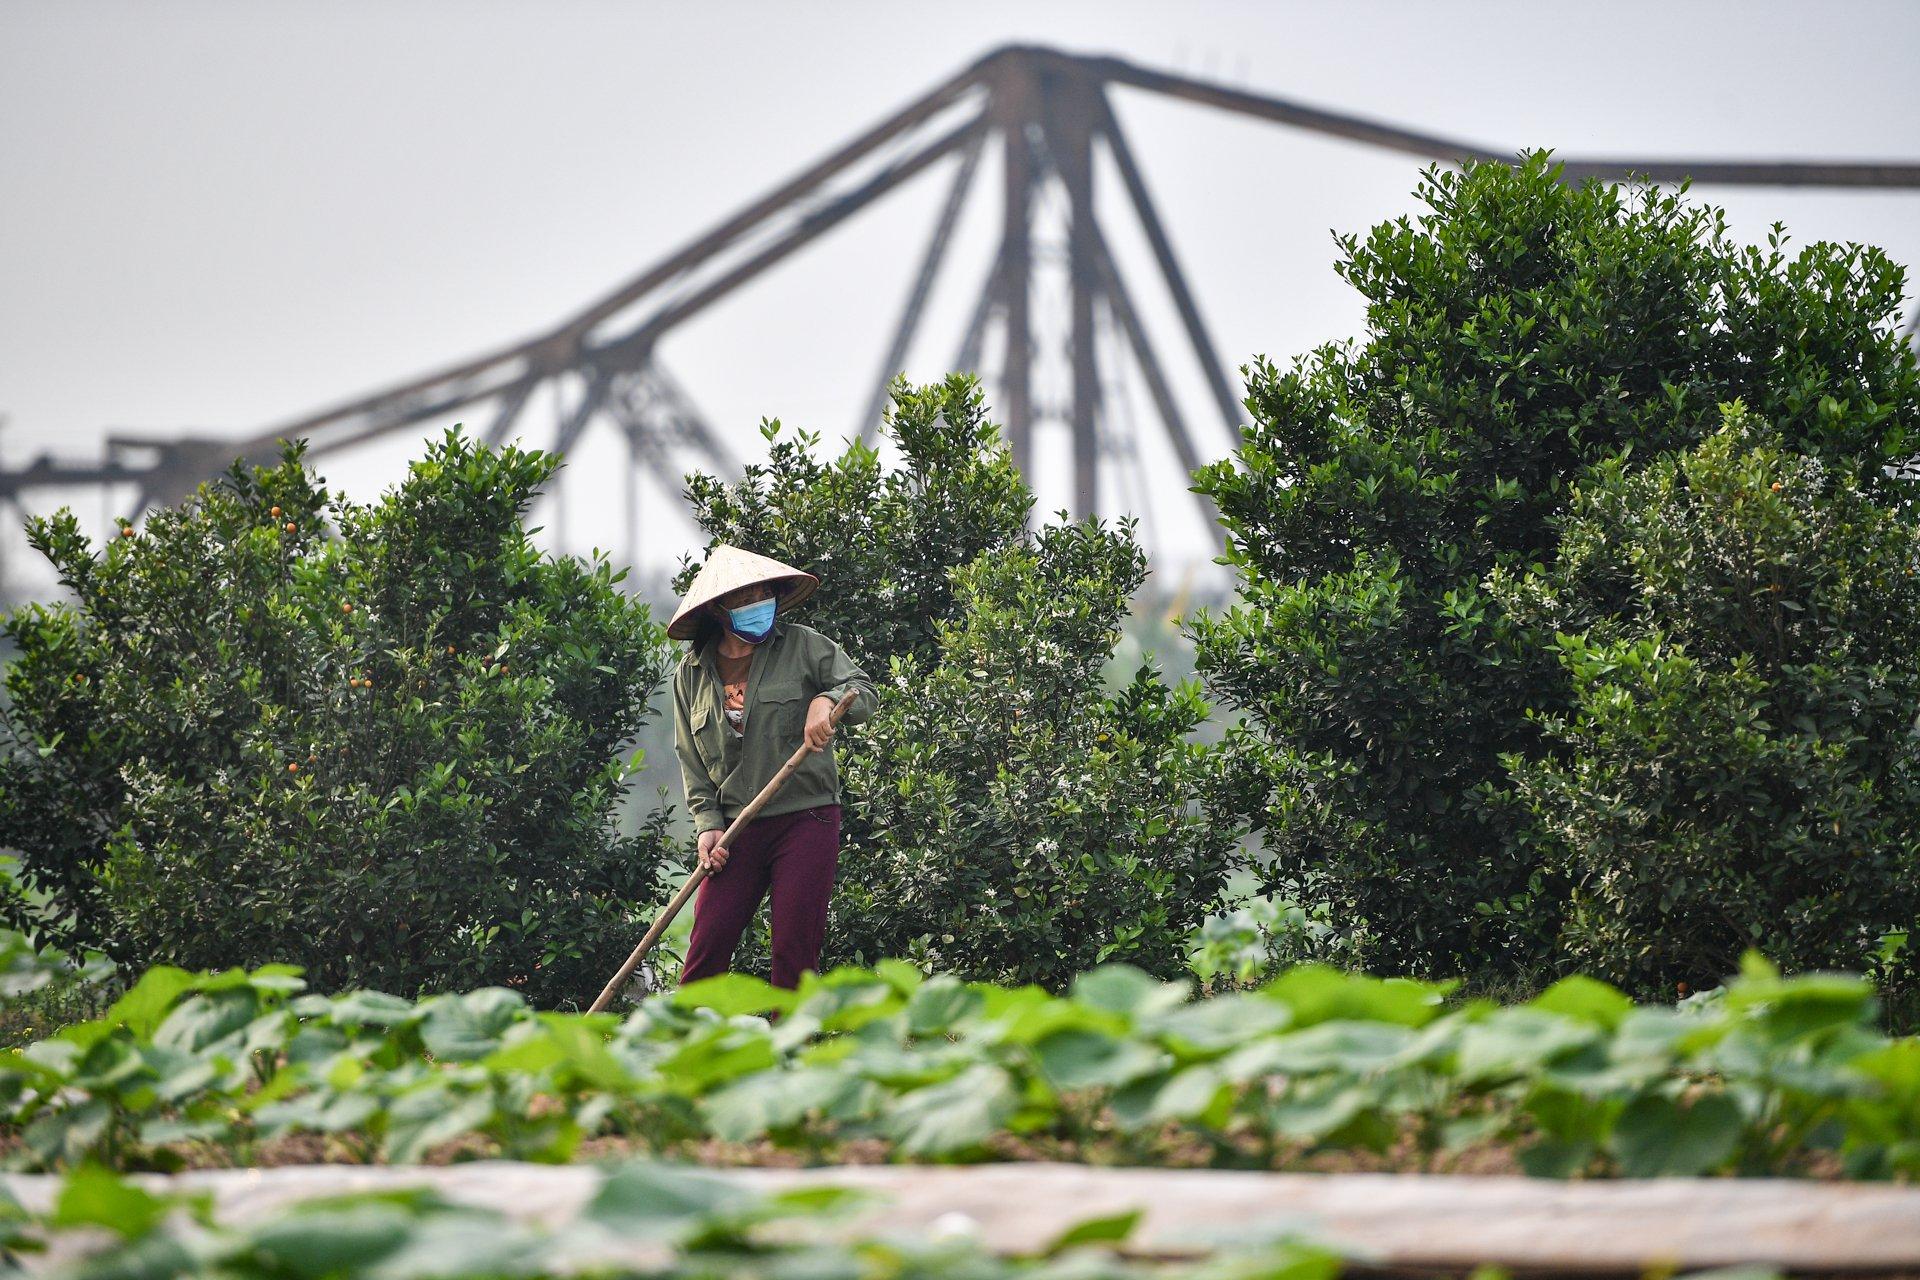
point(700, 873)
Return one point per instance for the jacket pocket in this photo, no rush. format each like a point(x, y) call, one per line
point(785, 705)
point(705, 727)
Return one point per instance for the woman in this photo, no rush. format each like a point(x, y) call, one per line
point(752, 687)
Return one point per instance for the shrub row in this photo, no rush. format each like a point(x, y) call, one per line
point(1576, 605)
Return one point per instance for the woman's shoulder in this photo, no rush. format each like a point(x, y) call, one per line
point(809, 637)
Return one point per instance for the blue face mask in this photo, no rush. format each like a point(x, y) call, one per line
point(752, 622)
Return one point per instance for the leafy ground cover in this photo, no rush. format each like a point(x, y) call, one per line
point(1769, 1074)
point(683, 1223)
point(660, 1222)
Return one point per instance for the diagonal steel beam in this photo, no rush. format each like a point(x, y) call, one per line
point(745, 219)
point(511, 403)
point(690, 422)
point(922, 286)
point(1012, 103)
point(1120, 304)
point(599, 383)
point(922, 109)
point(393, 408)
point(967, 358)
point(1431, 146)
point(801, 234)
point(1183, 301)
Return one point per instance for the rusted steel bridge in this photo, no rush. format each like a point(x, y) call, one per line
point(1047, 118)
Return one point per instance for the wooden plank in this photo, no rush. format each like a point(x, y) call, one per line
point(1386, 1221)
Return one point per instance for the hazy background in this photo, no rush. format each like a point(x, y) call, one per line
point(220, 216)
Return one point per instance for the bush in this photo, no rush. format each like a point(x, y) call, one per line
point(1521, 331)
point(1740, 762)
point(1019, 823)
point(378, 741)
point(1007, 816)
point(884, 541)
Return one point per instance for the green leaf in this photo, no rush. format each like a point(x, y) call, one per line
point(1317, 993)
point(1195, 1094)
point(716, 1057)
point(1802, 1005)
point(774, 1100)
point(1213, 1026)
point(1516, 1041)
point(91, 1196)
point(371, 1009)
point(70, 1134)
point(901, 976)
point(940, 1003)
point(657, 1202)
point(1344, 1046)
point(953, 1116)
point(729, 994)
point(1656, 1137)
point(202, 1019)
point(428, 1117)
point(1079, 1059)
point(466, 1027)
point(1315, 1111)
point(1556, 1157)
point(845, 999)
point(1586, 999)
point(1123, 989)
point(1111, 1229)
point(146, 1003)
point(322, 1240)
point(318, 1112)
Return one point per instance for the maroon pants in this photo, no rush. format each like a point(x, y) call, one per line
point(796, 855)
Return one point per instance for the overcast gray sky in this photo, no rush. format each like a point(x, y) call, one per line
point(219, 215)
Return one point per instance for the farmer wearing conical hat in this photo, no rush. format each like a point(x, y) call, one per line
point(752, 686)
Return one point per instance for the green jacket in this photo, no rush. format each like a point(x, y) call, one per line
point(722, 770)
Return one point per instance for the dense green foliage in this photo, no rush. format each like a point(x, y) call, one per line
point(1007, 816)
point(379, 740)
point(1026, 823)
point(1519, 333)
point(1738, 624)
point(883, 539)
point(1768, 1075)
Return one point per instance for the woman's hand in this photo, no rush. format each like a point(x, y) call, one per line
point(712, 855)
point(819, 722)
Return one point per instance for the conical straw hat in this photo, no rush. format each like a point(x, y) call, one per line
point(729, 568)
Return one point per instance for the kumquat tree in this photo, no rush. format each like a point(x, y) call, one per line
point(381, 742)
point(1424, 752)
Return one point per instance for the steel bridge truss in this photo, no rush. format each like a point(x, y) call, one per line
point(1047, 118)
